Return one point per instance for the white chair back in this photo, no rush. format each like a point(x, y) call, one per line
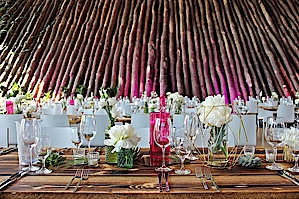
point(235, 126)
point(140, 120)
point(4, 135)
point(8, 121)
point(48, 110)
point(54, 121)
point(60, 136)
point(178, 120)
point(252, 106)
point(71, 110)
point(127, 108)
point(144, 133)
point(263, 115)
point(287, 112)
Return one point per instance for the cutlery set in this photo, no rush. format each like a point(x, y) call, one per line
point(289, 176)
point(208, 175)
point(14, 177)
point(80, 173)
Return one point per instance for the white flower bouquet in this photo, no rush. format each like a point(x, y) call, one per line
point(175, 100)
point(122, 136)
point(216, 115)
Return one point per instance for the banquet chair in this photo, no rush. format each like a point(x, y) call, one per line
point(4, 135)
point(252, 106)
point(178, 120)
point(8, 121)
point(140, 120)
point(287, 112)
point(144, 134)
point(54, 121)
point(60, 137)
point(248, 126)
point(262, 116)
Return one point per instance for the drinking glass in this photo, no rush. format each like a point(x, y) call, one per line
point(88, 127)
point(192, 129)
point(274, 135)
point(43, 150)
point(30, 133)
point(162, 139)
point(182, 149)
point(293, 145)
point(77, 139)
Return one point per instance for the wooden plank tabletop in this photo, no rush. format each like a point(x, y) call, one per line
point(108, 181)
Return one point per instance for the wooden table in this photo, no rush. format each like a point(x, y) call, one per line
point(108, 181)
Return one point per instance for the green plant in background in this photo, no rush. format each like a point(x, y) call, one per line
point(80, 89)
point(47, 96)
point(15, 90)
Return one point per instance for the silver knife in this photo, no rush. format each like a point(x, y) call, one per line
point(287, 177)
point(12, 179)
point(290, 175)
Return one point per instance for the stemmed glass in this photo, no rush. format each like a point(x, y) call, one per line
point(182, 149)
point(88, 127)
point(162, 139)
point(274, 135)
point(77, 139)
point(43, 150)
point(191, 125)
point(30, 133)
point(293, 145)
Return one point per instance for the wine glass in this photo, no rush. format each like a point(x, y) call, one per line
point(182, 149)
point(274, 135)
point(30, 133)
point(162, 139)
point(77, 139)
point(191, 125)
point(293, 145)
point(88, 127)
point(43, 150)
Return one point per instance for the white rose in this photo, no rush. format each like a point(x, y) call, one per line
point(114, 113)
point(80, 97)
point(112, 101)
point(102, 103)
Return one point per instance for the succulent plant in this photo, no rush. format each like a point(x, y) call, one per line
point(249, 161)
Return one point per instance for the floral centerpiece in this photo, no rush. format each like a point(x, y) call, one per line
point(175, 101)
point(215, 115)
point(153, 102)
point(124, 140)
point(108, 102)
point(297, 99)
point(274, 96)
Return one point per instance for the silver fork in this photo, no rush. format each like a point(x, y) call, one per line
point(84, 176)
point(77, 175)
point(199, 174)
point(208, 175)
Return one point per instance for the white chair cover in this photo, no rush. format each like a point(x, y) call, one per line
point(71, 110)
point(144, 133)
point(8, 121)
point(287, 112)
point(249, 122)
point(60, 136)
point(252, 106)
point(4, 135)
point(54, 121)
point(140, 120)
point(48, 110)
point(178, 120)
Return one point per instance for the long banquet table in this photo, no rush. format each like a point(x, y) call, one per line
point(108, 181)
